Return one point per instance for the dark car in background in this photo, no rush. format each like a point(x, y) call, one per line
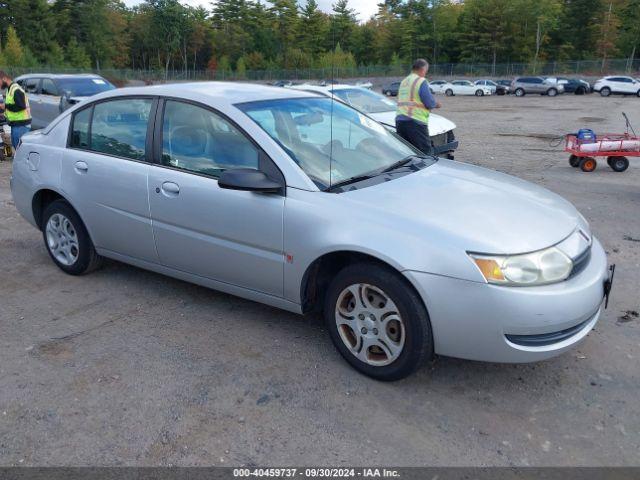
point(576, 86)
point(51, 94)
point(391, 89)
point(506, 84)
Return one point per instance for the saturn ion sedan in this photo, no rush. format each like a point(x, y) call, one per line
point(291, 199)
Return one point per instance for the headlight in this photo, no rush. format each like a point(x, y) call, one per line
point(537, 268)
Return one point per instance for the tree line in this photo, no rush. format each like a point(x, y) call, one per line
point(243, 35)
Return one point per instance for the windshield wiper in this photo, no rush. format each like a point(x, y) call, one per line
point(399, 164)
point(375, 173)
point(351, 180)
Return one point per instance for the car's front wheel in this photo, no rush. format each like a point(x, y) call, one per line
point(552, 92)
point(67, 240)
point(605, 91)
point(378, 322)
point(479, 93)
point(448, 92)
point(519, 92)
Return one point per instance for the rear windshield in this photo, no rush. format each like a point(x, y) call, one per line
point(84, 87)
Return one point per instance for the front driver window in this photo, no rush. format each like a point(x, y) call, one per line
point(197, 140)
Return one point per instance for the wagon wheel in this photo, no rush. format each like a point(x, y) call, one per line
point(574, 161)
point(618, 164)
point(588, 164)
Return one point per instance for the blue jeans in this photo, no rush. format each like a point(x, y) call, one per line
point(17, 133)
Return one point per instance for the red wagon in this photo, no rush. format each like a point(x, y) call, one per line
point(616, 147)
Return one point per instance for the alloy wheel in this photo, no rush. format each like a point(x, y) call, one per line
point(62, 239)
point(370, 324)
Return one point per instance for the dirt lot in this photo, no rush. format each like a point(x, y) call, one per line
point(126, 367)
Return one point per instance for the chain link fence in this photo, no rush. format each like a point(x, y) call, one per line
point(591, 68)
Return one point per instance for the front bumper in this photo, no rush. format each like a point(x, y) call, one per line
point(478, 321)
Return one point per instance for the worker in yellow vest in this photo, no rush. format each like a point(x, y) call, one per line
point(17, 108)
point(414, 103)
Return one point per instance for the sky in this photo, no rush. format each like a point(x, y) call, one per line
point(364, 8)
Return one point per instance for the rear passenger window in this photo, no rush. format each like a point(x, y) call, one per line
point(80, 129)
point(119, 127)
point(31, 85)
point(197, 140)
point(49, 88)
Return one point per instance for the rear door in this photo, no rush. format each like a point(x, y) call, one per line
point(229, 236)
point(32, 88)
point(104, 174)
point(49, 100)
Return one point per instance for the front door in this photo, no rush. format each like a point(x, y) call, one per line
point(230, 236)
point(104, 174)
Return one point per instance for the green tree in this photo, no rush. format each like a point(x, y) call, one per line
point(314, 26)
point(241, 68)
point(76, 56)
point(343, 24)
point(14, 54)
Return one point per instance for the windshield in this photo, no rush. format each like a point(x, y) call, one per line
point(365, 100)
point(330, 149)
point(84, 87)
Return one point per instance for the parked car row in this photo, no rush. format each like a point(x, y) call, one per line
point(521, 86)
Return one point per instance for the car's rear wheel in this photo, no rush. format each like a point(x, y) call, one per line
point(519, 92)
point(479, 93)
point(378, 322)
point(588, 164)
point(605, 91)
point(67, 240)
point(618, 164)
point(552, 92)
point(448, 92)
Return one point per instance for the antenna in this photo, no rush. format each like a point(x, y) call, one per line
point(333, 62)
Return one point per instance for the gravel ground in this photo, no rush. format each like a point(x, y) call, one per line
point(126, 367)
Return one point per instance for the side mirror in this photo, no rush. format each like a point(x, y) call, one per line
point(65, 100)
point(248, 180)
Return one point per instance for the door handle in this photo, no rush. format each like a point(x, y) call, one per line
point(81, 167)
point(170, 188)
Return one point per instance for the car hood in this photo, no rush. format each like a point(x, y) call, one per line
point(437, 124)
point(473, 208)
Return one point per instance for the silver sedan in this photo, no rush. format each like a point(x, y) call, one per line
point(289, 199)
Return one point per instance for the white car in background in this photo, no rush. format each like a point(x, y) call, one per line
point(383, 110)
point(617, 85)
point(465, 87)
point(438, 86)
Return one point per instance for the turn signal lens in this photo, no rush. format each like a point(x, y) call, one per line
point(489, 269)
point(538, 268)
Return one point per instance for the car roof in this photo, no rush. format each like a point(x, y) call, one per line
point(218, 92)
point(57, 75)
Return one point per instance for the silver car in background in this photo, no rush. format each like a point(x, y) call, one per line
point(294, 200)
point(539, 85)
point(51, 94)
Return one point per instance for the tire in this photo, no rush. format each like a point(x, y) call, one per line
point(605, 91)
point(638, 94)
point(574, 161)
point(618, 164)
point(588, 164)
point(61, 223)
point(387, 93)
point(479, 93)
point(409, 330)
point(580, 91)
point(448, 92)
point(552, 92)
point(519, 92)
